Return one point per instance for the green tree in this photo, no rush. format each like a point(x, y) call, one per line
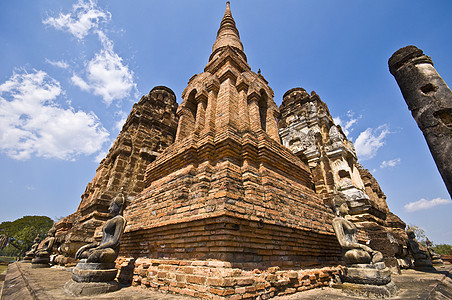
point(443, 249)
point(420, 234)
point(22, 232)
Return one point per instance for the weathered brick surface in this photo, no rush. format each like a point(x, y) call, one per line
point(225, 282)
point(227, 210)
point(227, 189)
point(226, 201)
point(237, 242)
point(307, 128)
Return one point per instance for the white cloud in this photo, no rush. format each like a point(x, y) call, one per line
point(84, 17)
point(347, 124)
point(78, 81)
point(31, 123)
point(100, 156)
point(106, 75)
point(424, 204)
point(390, 163)
point(123, 118)
point(369, 141)
point(60, 63)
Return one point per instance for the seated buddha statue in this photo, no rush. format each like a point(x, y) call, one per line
point(107, 250)
point(31, 253)
point(46, 246)
point(420, 256)
point(355, 253)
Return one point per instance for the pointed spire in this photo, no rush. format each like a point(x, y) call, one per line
point(227, 35)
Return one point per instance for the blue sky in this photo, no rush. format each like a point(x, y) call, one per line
point(71, 71)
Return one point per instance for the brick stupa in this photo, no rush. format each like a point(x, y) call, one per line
point(235, 201)
point(227, 189)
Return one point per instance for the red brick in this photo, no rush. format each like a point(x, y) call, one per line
point(222, 291)
point(245, 280)
point(196, 279)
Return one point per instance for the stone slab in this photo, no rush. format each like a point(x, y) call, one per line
point(76, 289)
point(48, 284)
point(85, 275)
point(95, 266)
point(367, 275)
point(39, 266)
point(15, 285)
point(369, 290)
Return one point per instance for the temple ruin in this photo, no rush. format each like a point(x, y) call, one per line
point(229, 194)
point(148, 130)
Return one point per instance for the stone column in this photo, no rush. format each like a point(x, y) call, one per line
point(227, 105)
point(186, 124)
point(212, 88)
point(253, 108)
point(430, 101)
point(200, 113)
point(243, 109)
point(272, 125)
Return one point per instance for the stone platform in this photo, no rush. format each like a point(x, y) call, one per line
point(22, 282)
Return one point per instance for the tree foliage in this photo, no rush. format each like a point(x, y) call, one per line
point(443, 249)
point(22, 232)
point(420, 234)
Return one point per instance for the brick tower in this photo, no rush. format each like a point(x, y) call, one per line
point(148, 130)
point(307, 128)
point(227, 189)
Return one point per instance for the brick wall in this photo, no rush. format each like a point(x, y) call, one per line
point(213, 279)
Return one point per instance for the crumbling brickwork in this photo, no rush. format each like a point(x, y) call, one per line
point(148, 130)
point(239, 206)
point(218, 279)
point(307, 128)
point(227, 189)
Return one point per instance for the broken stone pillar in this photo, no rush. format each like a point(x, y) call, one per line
point(430, 101)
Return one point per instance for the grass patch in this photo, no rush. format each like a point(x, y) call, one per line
point(3, 268)
point(7, 259)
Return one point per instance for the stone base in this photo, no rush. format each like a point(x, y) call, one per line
point(423, 264)
point(369, 290)
point(37, 266)
point(437, 261)
point(371, 274)
point(404, 263)
point(65, 261)
point(94, 272)
point(40, 262)
point(78, 289)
